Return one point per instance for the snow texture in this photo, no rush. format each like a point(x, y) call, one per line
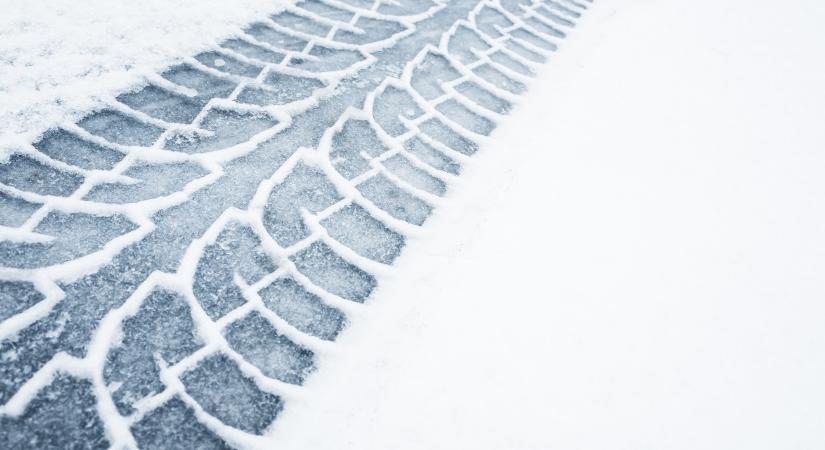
point(634, 262)
point(60, 58)
point(183, 255)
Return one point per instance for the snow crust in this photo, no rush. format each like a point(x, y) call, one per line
point(61, 58)
point(634, 261)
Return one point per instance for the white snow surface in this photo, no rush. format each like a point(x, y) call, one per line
point(61, 58)
point(635, 261)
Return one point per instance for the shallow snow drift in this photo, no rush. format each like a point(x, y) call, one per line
point(60, 58)
point(634, 262)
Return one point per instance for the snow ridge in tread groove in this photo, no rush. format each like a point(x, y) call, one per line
point(248, 202)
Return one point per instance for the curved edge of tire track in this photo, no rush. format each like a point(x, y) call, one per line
point(211, 351)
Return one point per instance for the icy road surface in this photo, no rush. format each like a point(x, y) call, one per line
point(175, 263)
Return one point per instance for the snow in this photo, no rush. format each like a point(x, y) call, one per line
point(634, 260)
point(630, 261)
point(61, 58)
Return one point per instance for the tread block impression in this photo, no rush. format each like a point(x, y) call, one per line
point(153, 181)
point(68, 327)
point(362, 4)
point(524, 52)
point(495, 77)
point(405, 7)
point(63, 412)
point(372, 30)
point(433, 71)
point(333, 274)
point(277, 39)
point(162, 332)
point(301, 24)
point(206, 85)
point(325, 10)
point(259, 343)
point(545, 28)
point(253, 51)
point(17, 296)
point(550, 5)
point(491, 21)
point(237, 250)
point(404, 169)
point(64, 146)
point(223, 391)
point(355, 137)
point(517, 7)
point(28, 174)
point(174, 426)
point(305, 187)
point(114, 126)
point(436, 129)
point(463, 116)
point(465, 44)
point(75, 235)
point(533, 40)
point(162, 104)
point(225, 129)
point(14, 211)
point(397, 202)
point(435, 158)
point(326, 59)
point(393, 104)
point(484, 98)
point(354, 227)
point(228, 64)
point(553, 17)
point(302, 309)
point(280, 89)
point(504, 60)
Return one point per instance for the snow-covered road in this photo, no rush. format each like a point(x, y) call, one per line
point(636, 262)
point(177, 262)
point(213, 256)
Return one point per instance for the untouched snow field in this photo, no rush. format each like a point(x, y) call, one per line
point(60, 58)
point(635, 262)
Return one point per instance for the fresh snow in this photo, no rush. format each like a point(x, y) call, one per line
point(631, 261)
point(61, 58)
point(635, 261)
point(148, 240)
